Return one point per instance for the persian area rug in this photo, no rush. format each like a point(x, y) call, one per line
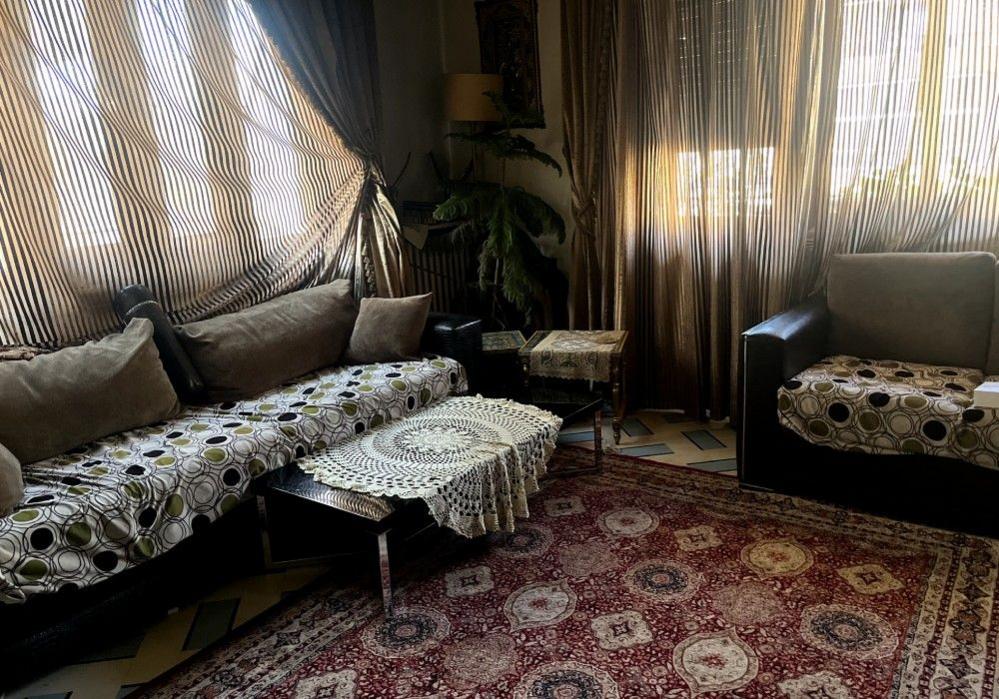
point(646, 581)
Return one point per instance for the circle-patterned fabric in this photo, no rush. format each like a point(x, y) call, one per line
point(110, 505)
point(473, 460)
point(891, 407)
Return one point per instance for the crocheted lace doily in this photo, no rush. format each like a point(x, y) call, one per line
point(473, 460)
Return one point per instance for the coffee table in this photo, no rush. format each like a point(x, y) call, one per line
point(293, 492)
point(469, 462)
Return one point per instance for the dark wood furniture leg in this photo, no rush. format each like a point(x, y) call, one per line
point(598, 439)
point(617, 398)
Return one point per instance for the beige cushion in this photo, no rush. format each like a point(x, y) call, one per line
point(388, 330)
point(11, 482)
point(933, 308)
point(240, 355)
point(62, 400)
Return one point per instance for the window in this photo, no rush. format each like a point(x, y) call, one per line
point(970, 91)
point(878, 91)
point(273, 166)
point(66, 82)
point(68, 87)
point(726, 182)
point(177, 115)
point(160, 142)
point(895, 116)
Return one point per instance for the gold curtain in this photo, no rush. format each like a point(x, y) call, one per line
point(159, 142)
point(754, 139)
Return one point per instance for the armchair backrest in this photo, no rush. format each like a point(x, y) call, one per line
point(934, 308)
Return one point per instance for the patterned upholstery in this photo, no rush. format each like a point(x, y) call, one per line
point(106, 507)
point(891, 407)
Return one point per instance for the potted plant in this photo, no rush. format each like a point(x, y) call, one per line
point(505, 220)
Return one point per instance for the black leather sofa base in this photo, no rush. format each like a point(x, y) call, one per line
point(935, 491)
point(48, 631)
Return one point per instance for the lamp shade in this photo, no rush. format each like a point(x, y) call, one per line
point(464, 98)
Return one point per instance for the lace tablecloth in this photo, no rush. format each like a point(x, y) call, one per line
point(473, 460)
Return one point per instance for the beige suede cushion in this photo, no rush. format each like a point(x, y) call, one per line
point(62, 400)
point(388, 330)
point(11, 482)
point(240, 355)
point(934, 308)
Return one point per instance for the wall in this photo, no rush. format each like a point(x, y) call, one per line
point(460, 54)
point(418, 41)
point(411, 80)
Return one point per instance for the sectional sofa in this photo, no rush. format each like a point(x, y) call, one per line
point(118, 530)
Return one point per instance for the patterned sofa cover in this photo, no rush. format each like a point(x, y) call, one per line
point(891, 407)
point(101, 509)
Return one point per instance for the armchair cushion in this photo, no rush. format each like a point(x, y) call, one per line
point(934, 308)
point(890, 407)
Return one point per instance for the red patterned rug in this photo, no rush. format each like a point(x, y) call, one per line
point(647, 581)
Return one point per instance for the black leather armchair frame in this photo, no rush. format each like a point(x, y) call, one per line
point(929, 489)
point(47, 630)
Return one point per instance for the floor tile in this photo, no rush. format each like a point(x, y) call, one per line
point(573, 437)
point(716, 465)
point(704, 439)
point(212, 621)
point(645, 450)
point(124, 648)
point(634, 427)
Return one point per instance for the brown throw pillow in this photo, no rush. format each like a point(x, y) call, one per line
point(58, 401)
point(240, 355)
point(388, 330)
point(11, 482)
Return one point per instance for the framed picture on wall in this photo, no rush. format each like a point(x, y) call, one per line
point(508, 45)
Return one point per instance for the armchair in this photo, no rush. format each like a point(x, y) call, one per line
point(862, 395)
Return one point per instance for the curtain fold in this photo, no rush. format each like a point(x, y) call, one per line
point(588, 117)
point(753, 140)
point(329, 46)
point(158, 142)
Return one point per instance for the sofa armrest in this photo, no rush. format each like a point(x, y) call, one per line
point(455, 336)
point(772, 352)
point(136, 301)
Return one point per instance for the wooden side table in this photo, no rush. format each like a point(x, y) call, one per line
point(580, 355)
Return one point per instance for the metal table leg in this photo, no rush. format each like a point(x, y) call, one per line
point(385, 571)
point(598, 439)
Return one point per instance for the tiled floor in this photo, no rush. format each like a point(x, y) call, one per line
point(106, 673)
point(665, 436)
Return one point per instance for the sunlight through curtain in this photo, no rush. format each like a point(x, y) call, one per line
point(751, 140)
point(159, 142)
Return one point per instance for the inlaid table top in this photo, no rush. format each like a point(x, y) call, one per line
point(574, 354)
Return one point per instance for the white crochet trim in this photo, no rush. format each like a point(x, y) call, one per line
point(474, 461)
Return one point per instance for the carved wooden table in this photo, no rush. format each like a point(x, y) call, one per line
point(580, 355)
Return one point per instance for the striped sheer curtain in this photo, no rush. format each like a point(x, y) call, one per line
point(160, 142)
point(753, 139)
